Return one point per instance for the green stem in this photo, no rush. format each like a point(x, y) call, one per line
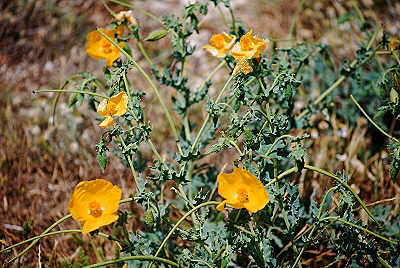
point(236, 147)
point(324, 200)
point(282, 175)
point(141, 10)
point(348, 187)
point(129, 158)
point(131, 258)
point(152, 85)
point(37, 239)
point(139, 44)
point(209, 203)
point(212, 73)
point(361, 228)
point(396, 55)
point(372, 121)
point(197, 139)
point(292, 30)
point(275, 142)
point(70, 91)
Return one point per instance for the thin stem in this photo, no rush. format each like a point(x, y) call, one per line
point(37, 239)
point(131, 258)
point(348, 187)
point(377, 203)
point(222, 16)
point(70, 91)
point(209, 203)
point(197, 139)
point(372, 121)
point(396, 55)
point(152, 85)
point(358, 11)
point(139, 44)
point(244, 230)
point(141, 10)
point(282, 175)
point(292, 30)
point(236, 147)
point(275, 142)
point(361, 228)
point(129, 158)
point(212, 73)
point(153, 148)
point(324, 200)
point(109, 9)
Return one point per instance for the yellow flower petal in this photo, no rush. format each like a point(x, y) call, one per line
point(249, 47)
point(220, 44)
point(98, 48)
point(119, 103)
point(107, 122)
point(102, 108)
point(115, 106)
point(241, 189)
point(92, 225)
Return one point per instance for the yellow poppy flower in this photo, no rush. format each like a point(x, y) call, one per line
point(115, 106)
point(95, 203)
point(98, 48)
point(220, 44)
point(241, 189)
point(249, 47)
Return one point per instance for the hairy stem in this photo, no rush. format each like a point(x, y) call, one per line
point(372, 121)
point(70, 91)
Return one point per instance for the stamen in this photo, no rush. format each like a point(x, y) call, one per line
point(243, 196)
point(95, 209)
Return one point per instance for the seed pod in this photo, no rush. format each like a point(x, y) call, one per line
point(156, 35)
point(149, 217)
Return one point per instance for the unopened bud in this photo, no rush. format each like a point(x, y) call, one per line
point(156, 35)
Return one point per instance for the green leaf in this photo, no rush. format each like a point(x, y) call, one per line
point(102, 159)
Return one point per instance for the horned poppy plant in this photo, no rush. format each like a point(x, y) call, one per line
point(220, 44)
point(115, 106)
point(95, 203)
point(241, 189)
point(98, 48)
point(249, 47)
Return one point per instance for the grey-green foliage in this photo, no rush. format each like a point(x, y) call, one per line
point(256, 110)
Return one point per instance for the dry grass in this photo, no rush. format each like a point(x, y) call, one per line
point(41, 44)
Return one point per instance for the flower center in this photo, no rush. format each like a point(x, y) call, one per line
point(243, 196)
point(107, 47)
point(95, 209)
